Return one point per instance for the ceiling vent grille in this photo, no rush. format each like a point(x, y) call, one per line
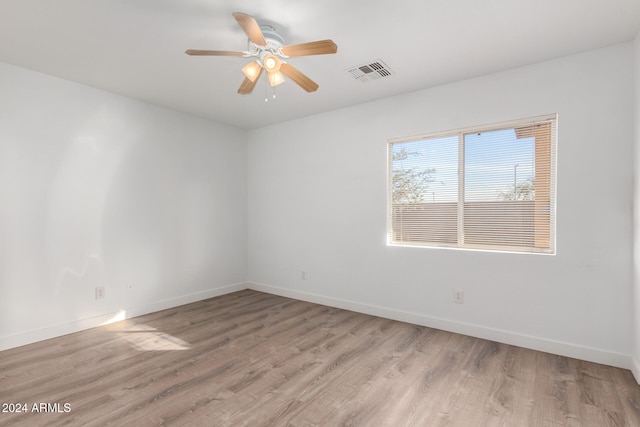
point(374, 70)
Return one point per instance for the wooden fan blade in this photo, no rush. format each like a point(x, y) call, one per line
point(251, 28)
point(247, 85)
point(213, 52)
point(297, 76)
point(320, 47)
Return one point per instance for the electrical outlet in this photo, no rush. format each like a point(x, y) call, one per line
point(303, 275)
point(458, 296)
point(100, 292)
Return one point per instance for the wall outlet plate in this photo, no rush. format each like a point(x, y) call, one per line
point(458, 296)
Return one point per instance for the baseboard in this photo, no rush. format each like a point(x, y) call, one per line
point(188, 299)
point(498, 335)
point(42, 334)
point(35, 335)
point(507, 337)
point(635, 369)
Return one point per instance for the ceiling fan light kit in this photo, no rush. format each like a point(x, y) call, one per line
point(275, 79)
point(269, 49)
point(252, 71)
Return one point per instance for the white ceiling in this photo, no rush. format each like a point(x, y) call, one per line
point(136, 47)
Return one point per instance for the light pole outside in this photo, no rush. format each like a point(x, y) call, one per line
point(515, 182)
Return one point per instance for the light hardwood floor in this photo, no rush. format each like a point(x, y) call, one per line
point(255, 359)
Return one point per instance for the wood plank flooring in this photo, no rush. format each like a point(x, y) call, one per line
point(254, 359)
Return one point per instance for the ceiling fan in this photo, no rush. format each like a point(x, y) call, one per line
point(269, 49)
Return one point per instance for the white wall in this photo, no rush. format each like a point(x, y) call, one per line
point(635, 355)
point(317, 203)
point(101, 190)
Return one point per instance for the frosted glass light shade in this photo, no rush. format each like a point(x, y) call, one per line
point(276, 78)
point(251, 71)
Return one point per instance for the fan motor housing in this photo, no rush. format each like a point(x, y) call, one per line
point(273, 39)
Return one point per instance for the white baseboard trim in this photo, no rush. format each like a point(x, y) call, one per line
point(32, 336)
point(188, 299)
point(635, 369)
point(35, 335)
point(507, 337)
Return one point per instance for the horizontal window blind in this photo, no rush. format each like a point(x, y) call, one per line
point(490, 187)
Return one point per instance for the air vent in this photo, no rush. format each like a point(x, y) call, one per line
point(374, 70)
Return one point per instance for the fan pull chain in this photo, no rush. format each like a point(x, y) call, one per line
point(266, 91)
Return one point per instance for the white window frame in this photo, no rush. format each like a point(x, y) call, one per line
point(460, 244)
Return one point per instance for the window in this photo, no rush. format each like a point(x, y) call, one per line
point(490, 187)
